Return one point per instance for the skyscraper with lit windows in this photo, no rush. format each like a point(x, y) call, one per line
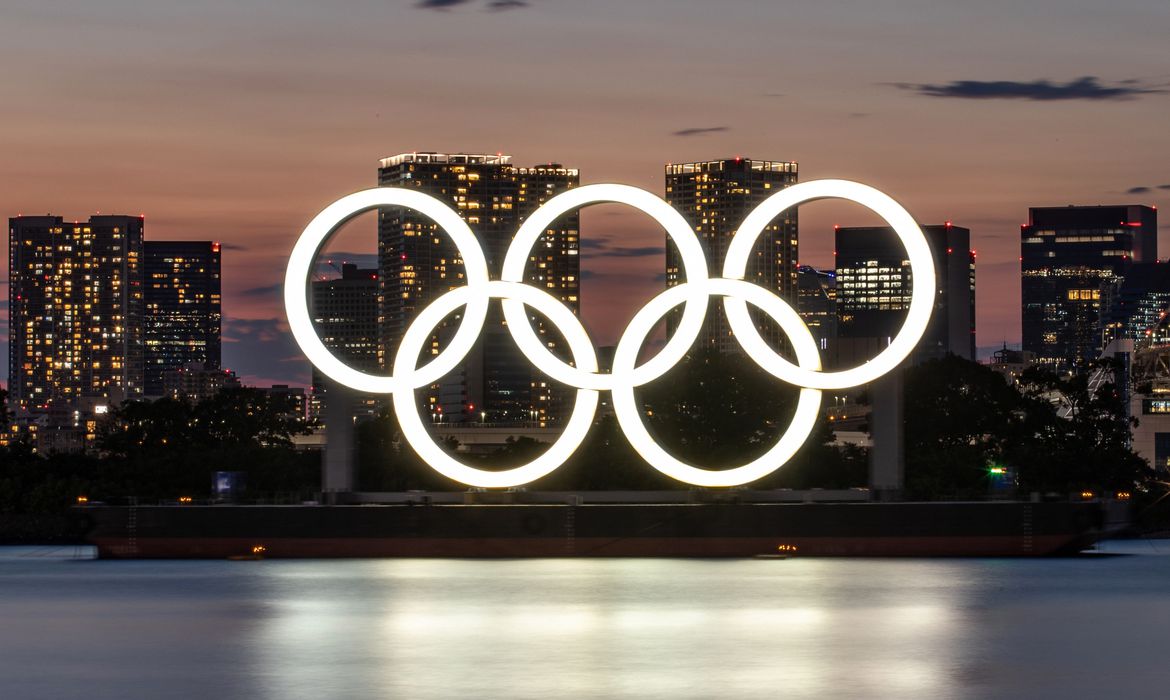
point(75, 310)
point(1069, 258)
point(182, 319)
point(554, 265)
point(874, 286)
point(715, 197)
point(1136, 306)
point(418, 263)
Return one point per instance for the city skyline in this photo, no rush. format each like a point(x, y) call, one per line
point(329, 378)
point(242, 134)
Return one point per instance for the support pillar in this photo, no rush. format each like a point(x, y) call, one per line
point(337, 459)
point(887, 463)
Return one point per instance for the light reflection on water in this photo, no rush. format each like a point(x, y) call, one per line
point(1091, 626)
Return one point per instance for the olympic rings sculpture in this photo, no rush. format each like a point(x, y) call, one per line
point(626, 374)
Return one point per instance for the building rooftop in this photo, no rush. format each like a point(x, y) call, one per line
point(457, 158)
point(782, 166)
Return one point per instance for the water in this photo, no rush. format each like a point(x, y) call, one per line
point(1095, 626)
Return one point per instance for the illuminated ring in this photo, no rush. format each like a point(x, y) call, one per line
point(921, 271)
point(626, 374)
point(693, 260)
point(629, 415)
point(419, 334)
point(304, 256)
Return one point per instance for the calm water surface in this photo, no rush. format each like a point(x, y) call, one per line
point(1095, 626)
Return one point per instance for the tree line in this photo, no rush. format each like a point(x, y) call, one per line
point(164, 450)
point(962, 421)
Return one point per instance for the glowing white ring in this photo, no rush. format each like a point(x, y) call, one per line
point(921, 269)
point(415, 432)
point(630, 416)
point(626, 375)
point(304, 256)
point(693, 261)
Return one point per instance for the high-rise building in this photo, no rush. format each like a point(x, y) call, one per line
point(76, 303)
point(817, 306)
point(1069, 256)
point(418, 263)
point(874, 286)
point(554, 265)
point(715, 197)
point(1134, 306)
point(345, 312)
point(417, 260)
point(182, 319)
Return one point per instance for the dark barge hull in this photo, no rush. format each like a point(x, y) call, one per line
point(598, 530)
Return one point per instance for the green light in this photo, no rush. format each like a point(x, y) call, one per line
point(998, 470)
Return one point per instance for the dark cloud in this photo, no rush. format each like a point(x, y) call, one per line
point(773, 94)
point(592, 275)
point(1146, 189)
point(265, 291)
point(1086, 88)
point(699, 130)
point(439, 4)
point(859, 115)
point(261, 330)
point(494, 5)
point(599, 248)
point(232, 246)
point(638, 252)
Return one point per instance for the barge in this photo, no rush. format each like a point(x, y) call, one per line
point(423, 527)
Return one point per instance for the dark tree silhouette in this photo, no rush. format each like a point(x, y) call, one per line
point(962, 418)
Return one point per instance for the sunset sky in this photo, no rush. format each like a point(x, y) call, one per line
point(238, 121)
